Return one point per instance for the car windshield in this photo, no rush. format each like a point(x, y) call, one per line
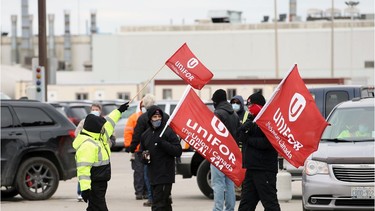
point(350, 124)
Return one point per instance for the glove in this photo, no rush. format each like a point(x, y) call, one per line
point(123, 107)
point(85, 195)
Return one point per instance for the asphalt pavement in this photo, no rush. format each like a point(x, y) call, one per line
point(120, 194)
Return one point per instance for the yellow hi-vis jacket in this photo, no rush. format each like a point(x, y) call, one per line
point(93, 153)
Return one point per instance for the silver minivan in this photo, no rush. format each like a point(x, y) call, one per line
point(340, 174)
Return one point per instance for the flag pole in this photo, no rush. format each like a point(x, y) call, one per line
point(147, 83)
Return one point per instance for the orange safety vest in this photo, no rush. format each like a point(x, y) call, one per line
point(129, 129)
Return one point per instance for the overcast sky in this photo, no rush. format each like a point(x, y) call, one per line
point(111, 14)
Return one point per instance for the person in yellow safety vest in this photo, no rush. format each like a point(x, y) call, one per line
point(93, 157)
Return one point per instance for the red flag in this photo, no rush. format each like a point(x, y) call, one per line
point(194, 122)
point(291, 120)
point(189, 68)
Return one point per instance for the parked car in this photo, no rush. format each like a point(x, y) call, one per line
point(36, 149)
point(340, 174)
point(326, 98)
point(74, 110)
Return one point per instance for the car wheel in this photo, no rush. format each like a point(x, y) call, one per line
point(204, 179)
point(37, 179)
point(9, 192)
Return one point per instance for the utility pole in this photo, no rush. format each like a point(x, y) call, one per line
point(43, 40)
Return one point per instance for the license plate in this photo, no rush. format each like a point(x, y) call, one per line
point(362, 192)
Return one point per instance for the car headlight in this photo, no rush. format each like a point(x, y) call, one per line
point(313, 167)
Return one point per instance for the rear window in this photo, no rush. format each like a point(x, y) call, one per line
point(32, 117)
point(367, 92)
point(78, 112)
point(106, 109)
point(333, 98)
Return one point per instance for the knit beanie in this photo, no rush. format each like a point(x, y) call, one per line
point(256, 98)
point(148, 101)
point(154, 110)
point(94, 123)
point(219, 96)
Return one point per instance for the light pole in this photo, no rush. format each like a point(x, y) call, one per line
point(351, 5)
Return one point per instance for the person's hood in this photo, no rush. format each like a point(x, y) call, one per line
point(240, 98)
point(151, 111)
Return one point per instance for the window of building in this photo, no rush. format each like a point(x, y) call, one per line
point(231, 93)
point(369, 64)
point(123, 95)
point(82, 96)
point(167, 94)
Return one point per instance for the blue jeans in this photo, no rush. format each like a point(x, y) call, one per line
point(147, 183)
point(78, 189)
point(223, 191)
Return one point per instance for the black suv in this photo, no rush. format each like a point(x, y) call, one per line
point(36, 149)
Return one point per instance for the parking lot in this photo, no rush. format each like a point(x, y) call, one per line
point(120, 195)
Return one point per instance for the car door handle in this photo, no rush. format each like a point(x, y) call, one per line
point(15, 133)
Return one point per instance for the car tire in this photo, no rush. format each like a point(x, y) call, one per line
point(37, 179)
point(204, 179)
point(9, 192)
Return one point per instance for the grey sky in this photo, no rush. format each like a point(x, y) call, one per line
point(111, 14)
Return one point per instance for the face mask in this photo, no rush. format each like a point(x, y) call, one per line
point(236, 107)
point(156, 123)
point(144, 110)
point(362, 128)
point(96, 113)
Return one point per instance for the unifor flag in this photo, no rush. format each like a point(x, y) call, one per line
point(186, 65)
point(194, 122)
point(291, 120)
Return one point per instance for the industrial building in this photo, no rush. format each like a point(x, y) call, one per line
point(243, 57)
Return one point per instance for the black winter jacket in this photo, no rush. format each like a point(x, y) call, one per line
point(162, 153)
point(141, 127)
point(228, 117)
point(257, 151)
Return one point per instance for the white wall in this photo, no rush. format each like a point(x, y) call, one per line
point(237, 54)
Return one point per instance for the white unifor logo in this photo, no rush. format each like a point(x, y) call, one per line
point(193, 62)
point(296, 106)
point(219, 127)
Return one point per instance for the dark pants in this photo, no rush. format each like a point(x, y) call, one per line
point(97, 196)
point(138, 177)
point(259, 185)
point(161, 195)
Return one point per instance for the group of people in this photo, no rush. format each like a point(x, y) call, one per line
point(153, 157)
point(258, 156)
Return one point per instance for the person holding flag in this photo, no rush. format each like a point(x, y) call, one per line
point(260, 161)
point(221, 183)
point(159, 152)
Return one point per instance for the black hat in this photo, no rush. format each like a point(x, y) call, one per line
point(219, 95)
point(256, 98)
point(94, 123)
point(154, 110)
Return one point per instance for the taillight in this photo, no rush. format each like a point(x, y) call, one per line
point(72, 134)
